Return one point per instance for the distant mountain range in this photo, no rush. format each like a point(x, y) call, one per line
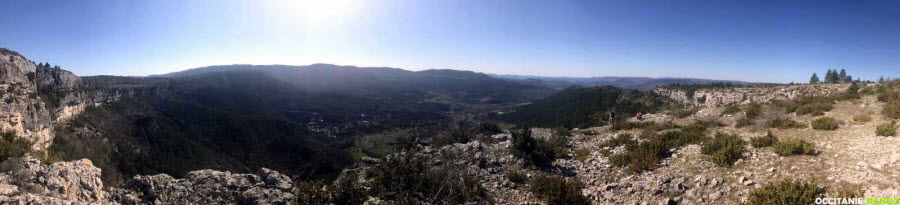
point(637, 83)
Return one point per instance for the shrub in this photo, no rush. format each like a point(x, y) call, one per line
point(743, 122)
point(752, 110)
point(582, 154)
point(561, 132)
point(407, 179)
point(825, 123)
point(347, 191)
point(642, 156)
point(794, 147)
point(557, 190)
point(515, 175)
point(731, 109)
point(724, 149)
point(862, 118)
point(784, 123)
point(488, 128)
point(886, 129)
point(619, 140)
point(815, 106)
point(313, 192)
point(764, 141)
point(536, 152)
point(451, 136)
point(786, 192)
point(891, 109)
point(13, 146)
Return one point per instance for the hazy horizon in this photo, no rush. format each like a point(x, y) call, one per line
point(760, 41)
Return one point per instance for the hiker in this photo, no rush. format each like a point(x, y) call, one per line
point(639, 117)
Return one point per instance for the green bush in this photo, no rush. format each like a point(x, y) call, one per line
point(582, 154)
point(488, 128)
point(407, 179)
point(891, 109)
point(764, 141)
point(724, 149)
point(451, 136)
point(731, 109)
point(642, 156)
point(787, 192)
point(886, 129)
point(516, 175)
point(13, 146)
point(537, 152)
point(825, 123)
point(784, 123)
point(794, 147)
point(619, 140)
point(313, 192)
point(752, 110)
point(561, 132)
point(862, 118)
point(347, 191)
point(815, 106)
point(743, 122)
point(557, 190)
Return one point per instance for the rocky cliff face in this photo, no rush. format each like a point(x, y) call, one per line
point(719, 97)
point(27, 181)
point(34, 98)
point(21, 110)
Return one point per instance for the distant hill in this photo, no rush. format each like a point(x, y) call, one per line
point(580, 106)
point(382, 82)
point(638, 83)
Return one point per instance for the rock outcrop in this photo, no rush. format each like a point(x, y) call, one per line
point(719, 97)
point(27, 181)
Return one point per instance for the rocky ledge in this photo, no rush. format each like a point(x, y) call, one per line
point(27, 181)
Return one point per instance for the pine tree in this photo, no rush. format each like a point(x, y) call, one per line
point(848, 79)
point(843, 75)
point(814, 79)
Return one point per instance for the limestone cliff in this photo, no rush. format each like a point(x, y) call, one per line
point(34, 98)
point(719, 97)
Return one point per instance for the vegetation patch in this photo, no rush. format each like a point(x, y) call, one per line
point(407, 179)
point(582, 154)
point(752, 110)
point(794, 147)
point(743, 122)
point(537, 152)
point(12, 146)
point(862, 118)
point(724, 149)
point(516, 175)
point(642, 156)
point(825, 123)
point(764, 141)
point(887, 129)
point(558, 190)
point(786, 191)
point(784, 123)
point(730, 110)
point(809, 105)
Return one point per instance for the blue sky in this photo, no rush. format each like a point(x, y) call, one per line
point(763, 41)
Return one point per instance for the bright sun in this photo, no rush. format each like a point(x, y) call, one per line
point(318, 14)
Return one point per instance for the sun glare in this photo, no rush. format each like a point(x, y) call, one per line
point(318, 14)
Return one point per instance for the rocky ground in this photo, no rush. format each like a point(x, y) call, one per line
point(27, 181)
point(851, 157)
